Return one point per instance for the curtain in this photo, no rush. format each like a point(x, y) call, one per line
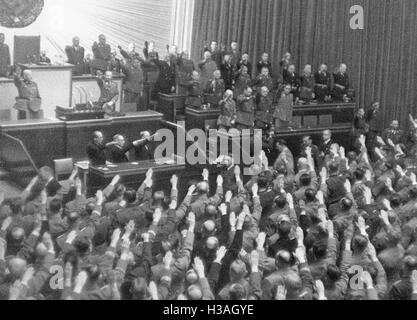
point(122, 21)
point(381, 58)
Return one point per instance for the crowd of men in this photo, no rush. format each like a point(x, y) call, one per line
point(327, 223)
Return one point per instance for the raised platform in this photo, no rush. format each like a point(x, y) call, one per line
point(57, 87)
point(47, 139)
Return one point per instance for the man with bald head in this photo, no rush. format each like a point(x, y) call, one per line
point(75, 55)
point(28, 102)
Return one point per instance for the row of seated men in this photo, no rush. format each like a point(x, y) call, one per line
point(236, 71)
point(117, 151)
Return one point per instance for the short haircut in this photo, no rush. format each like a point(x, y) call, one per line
point(55, 206)
point(130, 196)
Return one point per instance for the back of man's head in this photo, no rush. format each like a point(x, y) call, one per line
point(55, 206)
point(237, 292)
point(359, 243)
point(237, 271)
point(130, 196)
point(305, 180)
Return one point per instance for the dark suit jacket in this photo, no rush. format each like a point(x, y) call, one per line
point(323, 79)
point(144, 152)
point(325, 147)
point(291, 79)
point(76, 57)
point(118, 155)
point(227, 75)
point(96, 154)
point(262, 64)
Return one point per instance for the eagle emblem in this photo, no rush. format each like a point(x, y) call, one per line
point(19, 13)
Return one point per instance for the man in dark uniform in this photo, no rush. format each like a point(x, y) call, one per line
point(360, 128)
point(394, 133)
point(207, 66)
point(29, 102)
point(322, 83)
point(341, 84)
point(264, 79)
point(228, 72)
point(144, 150)
point(195, 96)
point(235, 54)
point(326, 144)
point(133, 82)
point(5, 60)
point(185, 68)
point(374, 120)
point(75, 54)
point(166, 82)
point(215, 89)
point(109, 92)
point(264, 63)
point(245, 62)
point(264, 109)
point(291, 78)
point(119, 148)
point(307, 85)
point(102, 55)
point(216, 54)
point(245, 116)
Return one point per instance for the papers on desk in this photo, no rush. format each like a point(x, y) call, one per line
point(83, 165)
point(165, 161)
point(104, 169)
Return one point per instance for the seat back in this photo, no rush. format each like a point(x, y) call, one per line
point(63, 167)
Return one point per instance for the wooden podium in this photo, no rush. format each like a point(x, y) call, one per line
point(171, 106)
point(55, 85)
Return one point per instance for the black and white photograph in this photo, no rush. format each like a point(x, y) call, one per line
point(230, 152)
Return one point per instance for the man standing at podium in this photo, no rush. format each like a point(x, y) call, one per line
point(4, 57)
point(109, 92)
point(75, 54)
point(28, 102)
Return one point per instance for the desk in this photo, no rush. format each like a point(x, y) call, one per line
point(8, 93)
point(47, 139)
point(200, 119)
point(171, 106)
point(133, 174)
